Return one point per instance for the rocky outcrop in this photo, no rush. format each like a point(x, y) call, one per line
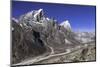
point(25, 43)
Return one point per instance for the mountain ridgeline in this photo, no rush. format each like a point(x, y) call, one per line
point(33, 35)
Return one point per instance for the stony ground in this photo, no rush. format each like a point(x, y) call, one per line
point(78, 54)
point(86, 53)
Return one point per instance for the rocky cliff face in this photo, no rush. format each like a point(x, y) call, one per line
point(33, 34)
point(25, 43)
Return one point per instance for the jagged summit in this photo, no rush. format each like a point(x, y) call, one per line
point(38, 14)
point(33, 17)
point(66, 25)
point(37, 17)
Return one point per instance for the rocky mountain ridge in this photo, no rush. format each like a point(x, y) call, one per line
point(33, 35)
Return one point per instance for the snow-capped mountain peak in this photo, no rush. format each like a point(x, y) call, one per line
point(66, 25)
point(38, 14)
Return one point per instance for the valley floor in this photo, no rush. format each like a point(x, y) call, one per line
point(82, 53)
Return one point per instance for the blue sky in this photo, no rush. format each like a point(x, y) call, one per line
point(81, 18)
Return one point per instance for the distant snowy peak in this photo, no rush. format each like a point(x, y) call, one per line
point(66, 25)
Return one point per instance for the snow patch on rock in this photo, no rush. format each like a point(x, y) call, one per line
point(67, 42)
